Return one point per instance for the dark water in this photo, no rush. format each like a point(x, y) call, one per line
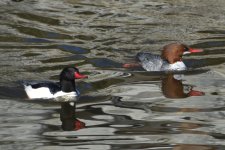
point(118, 108)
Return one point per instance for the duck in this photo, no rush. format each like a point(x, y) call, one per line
point(65, 88)
point(170, 58)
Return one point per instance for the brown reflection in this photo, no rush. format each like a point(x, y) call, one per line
point(68, 117)
point(189, 110)
point(17, 0)
point(187, 125)
point(193, 147)
point(174, 88)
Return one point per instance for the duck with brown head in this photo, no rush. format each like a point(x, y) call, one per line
point(170, 58)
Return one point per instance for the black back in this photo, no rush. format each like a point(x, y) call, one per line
point(53, 87)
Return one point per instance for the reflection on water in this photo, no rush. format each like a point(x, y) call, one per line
point(193, 147)
point(172, 87)
point(68, 117)
point(118, 108)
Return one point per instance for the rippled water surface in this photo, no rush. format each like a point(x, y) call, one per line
point(118, 108)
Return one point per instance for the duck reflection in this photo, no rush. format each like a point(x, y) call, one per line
point(17, 0)
point(172, 87)
point(68, 117)
point(193, 147)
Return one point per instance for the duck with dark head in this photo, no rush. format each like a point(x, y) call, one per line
point(66, 88)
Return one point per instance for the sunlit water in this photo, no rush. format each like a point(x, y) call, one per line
point(118, 108)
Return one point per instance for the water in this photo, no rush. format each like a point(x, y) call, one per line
point(118, 108)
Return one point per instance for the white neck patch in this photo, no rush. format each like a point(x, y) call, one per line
point(178, 66)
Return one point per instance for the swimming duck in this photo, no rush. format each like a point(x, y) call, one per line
point(170, 58)
point(66, 87)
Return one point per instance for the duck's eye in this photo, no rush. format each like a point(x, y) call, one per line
point(186, 49)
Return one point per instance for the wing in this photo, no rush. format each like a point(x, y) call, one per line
point(150, 62)
point(53, 87)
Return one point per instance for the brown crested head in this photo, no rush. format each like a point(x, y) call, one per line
point(173, 52)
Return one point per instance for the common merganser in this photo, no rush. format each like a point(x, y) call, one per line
point(170, 59)
point(47, 90)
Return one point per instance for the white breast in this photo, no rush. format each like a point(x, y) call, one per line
point(65, 97)
point(178, 66)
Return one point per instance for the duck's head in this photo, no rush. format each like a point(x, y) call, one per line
point(71, 73)
point(173, 52)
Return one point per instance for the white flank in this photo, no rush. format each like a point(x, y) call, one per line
point(178, 66)
point(44, 93)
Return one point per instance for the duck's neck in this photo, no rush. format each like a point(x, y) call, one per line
point(179, 65)
point(68, 86)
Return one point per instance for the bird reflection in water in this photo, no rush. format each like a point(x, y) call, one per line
point(17, 0)
point(193, 147)
point(172, 87)
point(68, 117)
